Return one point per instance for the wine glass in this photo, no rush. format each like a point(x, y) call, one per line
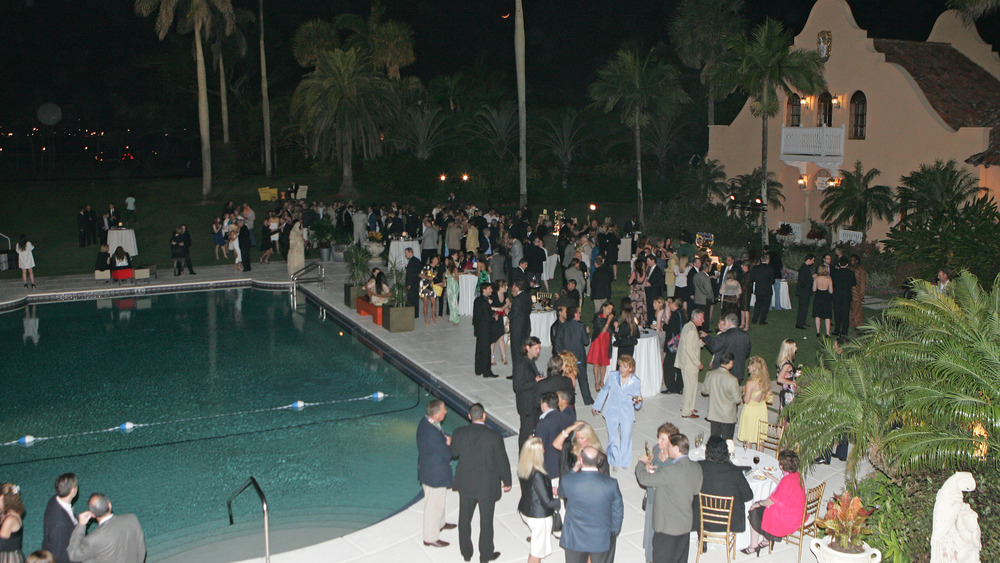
point(699, 439)
point(756, 460)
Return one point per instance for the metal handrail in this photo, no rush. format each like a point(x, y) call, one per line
point(295, 277)
point(263, 503)
point(8, 240)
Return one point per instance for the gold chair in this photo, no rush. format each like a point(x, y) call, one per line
point(716, 511)
point(814, 498)
point(769, 436)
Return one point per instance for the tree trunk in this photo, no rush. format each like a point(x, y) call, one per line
point(223, 98)
point(346, 163)
point(264, 100)
point(206, 144)
point(638, 170)
point(565, 176)
point(763, 182)
point(711, 109)
point(522, 118)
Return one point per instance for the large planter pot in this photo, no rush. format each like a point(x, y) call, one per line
point(325, 254)
point(375, 248)
point(397, 319)
point(338, 256)
point(351, 294)
point(826, 554)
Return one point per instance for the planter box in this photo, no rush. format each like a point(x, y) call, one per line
point(351, 294)
point(325, 254)
point(397, 319)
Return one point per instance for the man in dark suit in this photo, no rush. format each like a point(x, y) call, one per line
point(600, 282)
point(674, 485)
point(413, 268)
point(535, 254)
point(804, 289)
point(434, 471)
point(763, 289)
point(519, 316)
point(730, 339)
point(525, 382)
point(594, 511)
point(245, 242)
point(844, 281)
point(654, 286)
point(115, 540)
point(181, 241)
point(482, 321)
point(81, 227)
point(575, 339)
point(551, 423)
point(520, 273)
point(482, 469)
point(59, 520)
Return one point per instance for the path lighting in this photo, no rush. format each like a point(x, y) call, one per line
point(465, 177)
point(444, 177)
point(593, 207)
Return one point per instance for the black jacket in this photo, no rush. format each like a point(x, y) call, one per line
point(482, 462)
point(805, 283)
point(525, 387)
point(536, 496)
point(57, 526)
point(763, 279)
point(600, 282)
point(724, 480)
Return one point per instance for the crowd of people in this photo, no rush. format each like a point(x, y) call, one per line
point(114, 538)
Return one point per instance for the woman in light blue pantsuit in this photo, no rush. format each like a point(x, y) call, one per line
point(620, 397)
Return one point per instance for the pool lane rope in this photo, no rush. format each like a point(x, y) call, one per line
point(127, 427)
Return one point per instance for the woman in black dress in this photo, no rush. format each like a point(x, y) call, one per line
point(672, 331)
point(747, 290)
point(626, 330)
point(500, 306)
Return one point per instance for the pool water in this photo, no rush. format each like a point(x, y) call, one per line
point(208, 371)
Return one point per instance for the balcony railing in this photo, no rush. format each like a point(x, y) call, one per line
point(822, 145)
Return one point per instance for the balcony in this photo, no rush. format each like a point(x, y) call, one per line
point(823, 146)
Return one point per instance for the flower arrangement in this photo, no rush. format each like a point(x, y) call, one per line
point(374, 236)
point(816, 231)
point(845, 523)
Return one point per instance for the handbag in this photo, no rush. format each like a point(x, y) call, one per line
point(673, 343)
point(438, 290)
point(556, 522)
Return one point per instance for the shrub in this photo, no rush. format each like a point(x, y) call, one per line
point(670, 218)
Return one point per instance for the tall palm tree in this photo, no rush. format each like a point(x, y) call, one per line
point(974, 9)
point(761, 65)
point(564, 138)
point(220, 43)
point(264, 98)
point(637, 86)
point(388, 43)
point(706, 181)
point(856, 202)
point(312, 38)
point(660, 139)
point(446, 89)
point(423, 131)
point(934, 189)
point(699, 33)
point(197, 16)
point(745, 187)
point(338, 108)
point(522, 110)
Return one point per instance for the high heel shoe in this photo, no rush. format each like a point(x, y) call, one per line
point(755, 550)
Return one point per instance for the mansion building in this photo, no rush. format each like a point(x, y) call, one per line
point(892, 104)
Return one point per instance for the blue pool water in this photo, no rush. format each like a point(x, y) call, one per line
point(190, 361)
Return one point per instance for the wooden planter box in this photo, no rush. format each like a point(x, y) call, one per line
point(351, 294)
point(397, 319)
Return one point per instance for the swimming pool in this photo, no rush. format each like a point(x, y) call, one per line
point(208, 371)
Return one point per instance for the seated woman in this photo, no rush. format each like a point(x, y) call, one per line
point(103, 259)
point(781, 513)
point(722, 479)
point(378, 289)
point(121, 265)
point(369, 286)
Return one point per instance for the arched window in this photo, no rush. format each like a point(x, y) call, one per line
point(793, 111)
point(859, 115)
point(824, 110)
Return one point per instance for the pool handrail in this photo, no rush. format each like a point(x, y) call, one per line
point(263, 503)
point(294, 279)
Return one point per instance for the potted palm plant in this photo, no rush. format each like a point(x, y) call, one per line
point(323, 233)
point(397, 316)
point(845, 530)
point(356, 258)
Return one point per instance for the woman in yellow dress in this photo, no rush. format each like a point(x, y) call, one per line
point(756, 395)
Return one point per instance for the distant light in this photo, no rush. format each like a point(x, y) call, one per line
point(444, 177)
point(342, 334)
point(85, 148)
point(43, 148)
point(505, 16)
point(757, 200)
point(465, 177)
point(593, 207)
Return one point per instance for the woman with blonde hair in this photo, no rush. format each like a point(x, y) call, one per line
point(756, 395)
point(11, 511)
point(537, 505)
point(787, 372)
point(581, 435)
point(569, 367)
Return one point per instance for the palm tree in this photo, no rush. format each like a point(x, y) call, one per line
point(197, 17)
point(312, 38)
point(265, 100)
point(934, 189)
point(219, 43)
point(745, 188)
point(388, 43)
point(446, 89)
point(522, 111)
point(706, 181)
point(637, 87)
point(760, 65)
point(497, 127)
point(699, 33)
point(422, 131)
point(563, 138)
point(974, 9)
point(856, 202)
point(920, 389)
point(338, 108)
point(660, 139)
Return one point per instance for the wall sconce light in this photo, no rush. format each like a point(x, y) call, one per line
point(804, 101)
point(835, 101)
point(802, 181)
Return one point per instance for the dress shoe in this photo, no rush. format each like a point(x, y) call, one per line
point(493, 557)
point(695, 411)
point(704, 394)
point(490, 375)
point(800, 327)
point(449, 526)
point(510, 377)
point(439, 543)
point(690, 416)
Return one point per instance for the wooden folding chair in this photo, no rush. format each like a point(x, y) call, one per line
point(769, 436)
point(814, 498)
point(716, 511)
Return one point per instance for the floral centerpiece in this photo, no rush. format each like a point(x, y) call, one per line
point(375, 245)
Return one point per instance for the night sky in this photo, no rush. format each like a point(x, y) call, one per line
point(99, 61)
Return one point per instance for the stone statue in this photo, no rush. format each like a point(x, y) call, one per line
point(956, 537)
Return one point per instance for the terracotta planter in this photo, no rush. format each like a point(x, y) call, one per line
point(826, 554)
point(397, 319)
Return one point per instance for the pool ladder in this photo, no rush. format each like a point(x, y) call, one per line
point(297, 277)
point(263, 504)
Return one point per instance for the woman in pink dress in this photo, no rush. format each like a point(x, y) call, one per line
point(781, 513)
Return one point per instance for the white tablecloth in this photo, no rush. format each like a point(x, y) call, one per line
point(124, 238)
point(648, 364)
point(466, 293)
point(549, 267)
point(397, 252)
point(541, 322)
point(781, 300)
point(625, 249)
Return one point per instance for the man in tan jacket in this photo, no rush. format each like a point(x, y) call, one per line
point(724, 397)
point(689, 361)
